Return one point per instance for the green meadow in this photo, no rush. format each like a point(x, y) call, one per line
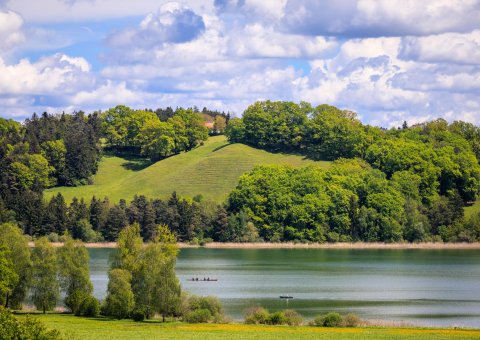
point(473, 209)
point(211, 170)
point(79, 328)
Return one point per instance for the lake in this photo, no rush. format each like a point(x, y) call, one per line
point(421, 287)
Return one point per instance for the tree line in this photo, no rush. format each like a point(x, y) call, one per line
point(190, 220)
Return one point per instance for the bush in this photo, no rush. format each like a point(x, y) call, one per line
point(90, 307)
point(333, 237)
point(138, 315)
point(53, 237)
point(12, 328)
point(256, 315)
point(194, 303)
point(351, 320)
point(277, 318)
point(198, 316)
point(293, 318)
point(331, 319)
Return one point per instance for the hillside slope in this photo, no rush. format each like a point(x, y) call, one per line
point(211, 170)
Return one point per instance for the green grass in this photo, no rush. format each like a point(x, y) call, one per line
point(473, 209)
point(100, 328)
point(211, 170)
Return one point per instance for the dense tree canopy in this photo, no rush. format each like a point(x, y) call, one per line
point(428, 172)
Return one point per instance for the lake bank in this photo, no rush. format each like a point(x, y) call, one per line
point(291, 245)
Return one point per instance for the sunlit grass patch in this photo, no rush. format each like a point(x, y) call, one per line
point(211, 170)
point(101, 328)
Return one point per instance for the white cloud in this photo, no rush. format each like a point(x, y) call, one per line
point(265, 10)
point(256, 40)
point(10, 30)
point(58, 11)
point(375, 18)
point(108, 94)
point(389, 60)
point(443, 48)
point(55, 75)
point(173, 23)
point(366, 76)
point(446, 78)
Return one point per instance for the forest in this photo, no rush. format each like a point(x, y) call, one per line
point(409, 183)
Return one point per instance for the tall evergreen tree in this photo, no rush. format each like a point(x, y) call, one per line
point(116, 221)
point(56, 219)
point(98, 213)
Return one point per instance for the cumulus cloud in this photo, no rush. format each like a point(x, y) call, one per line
point(443, 48)
point(54, 75)
point(68, 11)
point(389, 60)
point(266, 10)
point(173, 23)
point(256, 40)
point(10, 30)
point(434, 77)
point(375, 18)
point(108, 94)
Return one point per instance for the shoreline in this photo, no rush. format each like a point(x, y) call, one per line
point(291, 245)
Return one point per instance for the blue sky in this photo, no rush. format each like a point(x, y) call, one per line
point(388, 60)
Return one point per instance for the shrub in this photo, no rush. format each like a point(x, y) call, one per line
point(293, 318)
point(333, 237)
point(351, 320)
point(90, 307)
point(318, 321)
point(198, 316)
point(53, 237)
point(256, 315)
point(29, 328)
point(194, 303)
point(138, 315)
point(332, 319)
point(277, 318)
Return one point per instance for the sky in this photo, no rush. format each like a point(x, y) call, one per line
point(388, 60)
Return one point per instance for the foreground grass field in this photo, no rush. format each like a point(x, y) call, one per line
point(98, 328)
point(211, 170)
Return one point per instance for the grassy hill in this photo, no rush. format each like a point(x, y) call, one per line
point(211, 170)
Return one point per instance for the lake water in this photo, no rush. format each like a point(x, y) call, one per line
point(421, 287)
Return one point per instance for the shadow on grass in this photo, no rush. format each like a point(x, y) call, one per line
point(132, 160)
point(137, 164)
point(221, 147)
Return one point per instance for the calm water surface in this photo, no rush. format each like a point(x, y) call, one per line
point(422, 287)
